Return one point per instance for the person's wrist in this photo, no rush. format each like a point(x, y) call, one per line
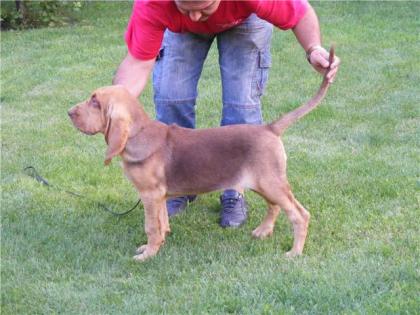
point(310, 50)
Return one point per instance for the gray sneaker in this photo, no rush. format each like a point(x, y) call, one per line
point(234, 212)
point(178, 204)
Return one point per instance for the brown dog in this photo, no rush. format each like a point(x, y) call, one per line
point(165, 161)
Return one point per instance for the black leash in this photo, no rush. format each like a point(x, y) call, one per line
point(32, 172)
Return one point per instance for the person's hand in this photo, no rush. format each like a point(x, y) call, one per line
point(318, 58)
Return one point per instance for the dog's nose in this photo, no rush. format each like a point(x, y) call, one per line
point(72, 112)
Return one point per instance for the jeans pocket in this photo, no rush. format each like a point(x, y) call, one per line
point(158, 69)
point(263, 69)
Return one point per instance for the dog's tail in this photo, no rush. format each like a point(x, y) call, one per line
point(280, 125)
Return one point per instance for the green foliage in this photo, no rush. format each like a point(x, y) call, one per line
point(22, 14)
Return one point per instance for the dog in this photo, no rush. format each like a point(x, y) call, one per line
point(164, 161)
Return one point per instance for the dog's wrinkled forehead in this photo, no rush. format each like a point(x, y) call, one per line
point(99, 99)
point(104, 96)
point(93, 106)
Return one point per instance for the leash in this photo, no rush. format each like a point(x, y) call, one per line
point(32, 172)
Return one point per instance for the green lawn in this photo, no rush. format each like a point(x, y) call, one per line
point(354, 163)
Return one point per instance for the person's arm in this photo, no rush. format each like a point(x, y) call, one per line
point(308, 34)
point(133, 74)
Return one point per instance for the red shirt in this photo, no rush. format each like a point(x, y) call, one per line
point(149, 19)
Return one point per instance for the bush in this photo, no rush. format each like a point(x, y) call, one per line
point(21, 14)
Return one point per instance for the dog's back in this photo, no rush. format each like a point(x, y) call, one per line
point(204, 160)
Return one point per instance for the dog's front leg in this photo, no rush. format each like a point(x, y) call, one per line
point(154, 227)
point(164, 221)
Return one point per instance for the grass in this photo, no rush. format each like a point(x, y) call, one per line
point(354, 163)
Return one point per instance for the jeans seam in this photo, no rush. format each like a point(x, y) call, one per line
point(255, 76)
point(174, 101)
point(244, 106)
point(260, 76)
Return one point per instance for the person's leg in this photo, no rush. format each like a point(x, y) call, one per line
point(245, 60)
point(175, 79)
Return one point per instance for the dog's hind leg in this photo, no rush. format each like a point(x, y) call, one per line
point(281, 196)
point(299, 217)
point(266, 228)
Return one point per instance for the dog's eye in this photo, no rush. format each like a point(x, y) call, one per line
point(94, 102)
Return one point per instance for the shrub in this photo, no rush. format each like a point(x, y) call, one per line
point(21, 14)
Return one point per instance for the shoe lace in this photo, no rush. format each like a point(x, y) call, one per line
point(229, 204)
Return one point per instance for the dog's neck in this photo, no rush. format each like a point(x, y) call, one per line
point(149, 138)
point(145, 136)
point(139, 120)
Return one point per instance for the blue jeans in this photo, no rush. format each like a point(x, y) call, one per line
point(244, 59)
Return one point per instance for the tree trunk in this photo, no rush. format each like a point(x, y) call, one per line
point(21, 8)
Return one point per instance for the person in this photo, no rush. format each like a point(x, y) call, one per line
point(173, 37)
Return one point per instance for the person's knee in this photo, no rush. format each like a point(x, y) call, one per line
point(179, 113)
point(234, 114)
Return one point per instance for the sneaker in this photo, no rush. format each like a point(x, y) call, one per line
point(178, 204)
point(234, 212)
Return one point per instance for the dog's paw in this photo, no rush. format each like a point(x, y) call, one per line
point(262, 232)
point(140, 249)
point(292, 254)
point(144, 252)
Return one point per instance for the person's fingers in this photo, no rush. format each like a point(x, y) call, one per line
point(333, 69)
point(319, 58)
point(335, 63)
point(331, 75)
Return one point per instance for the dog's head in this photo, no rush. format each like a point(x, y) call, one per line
point(111, 111)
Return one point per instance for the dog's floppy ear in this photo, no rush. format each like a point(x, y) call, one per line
point(116, 134)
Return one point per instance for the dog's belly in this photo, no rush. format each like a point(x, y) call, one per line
point(200, 174)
